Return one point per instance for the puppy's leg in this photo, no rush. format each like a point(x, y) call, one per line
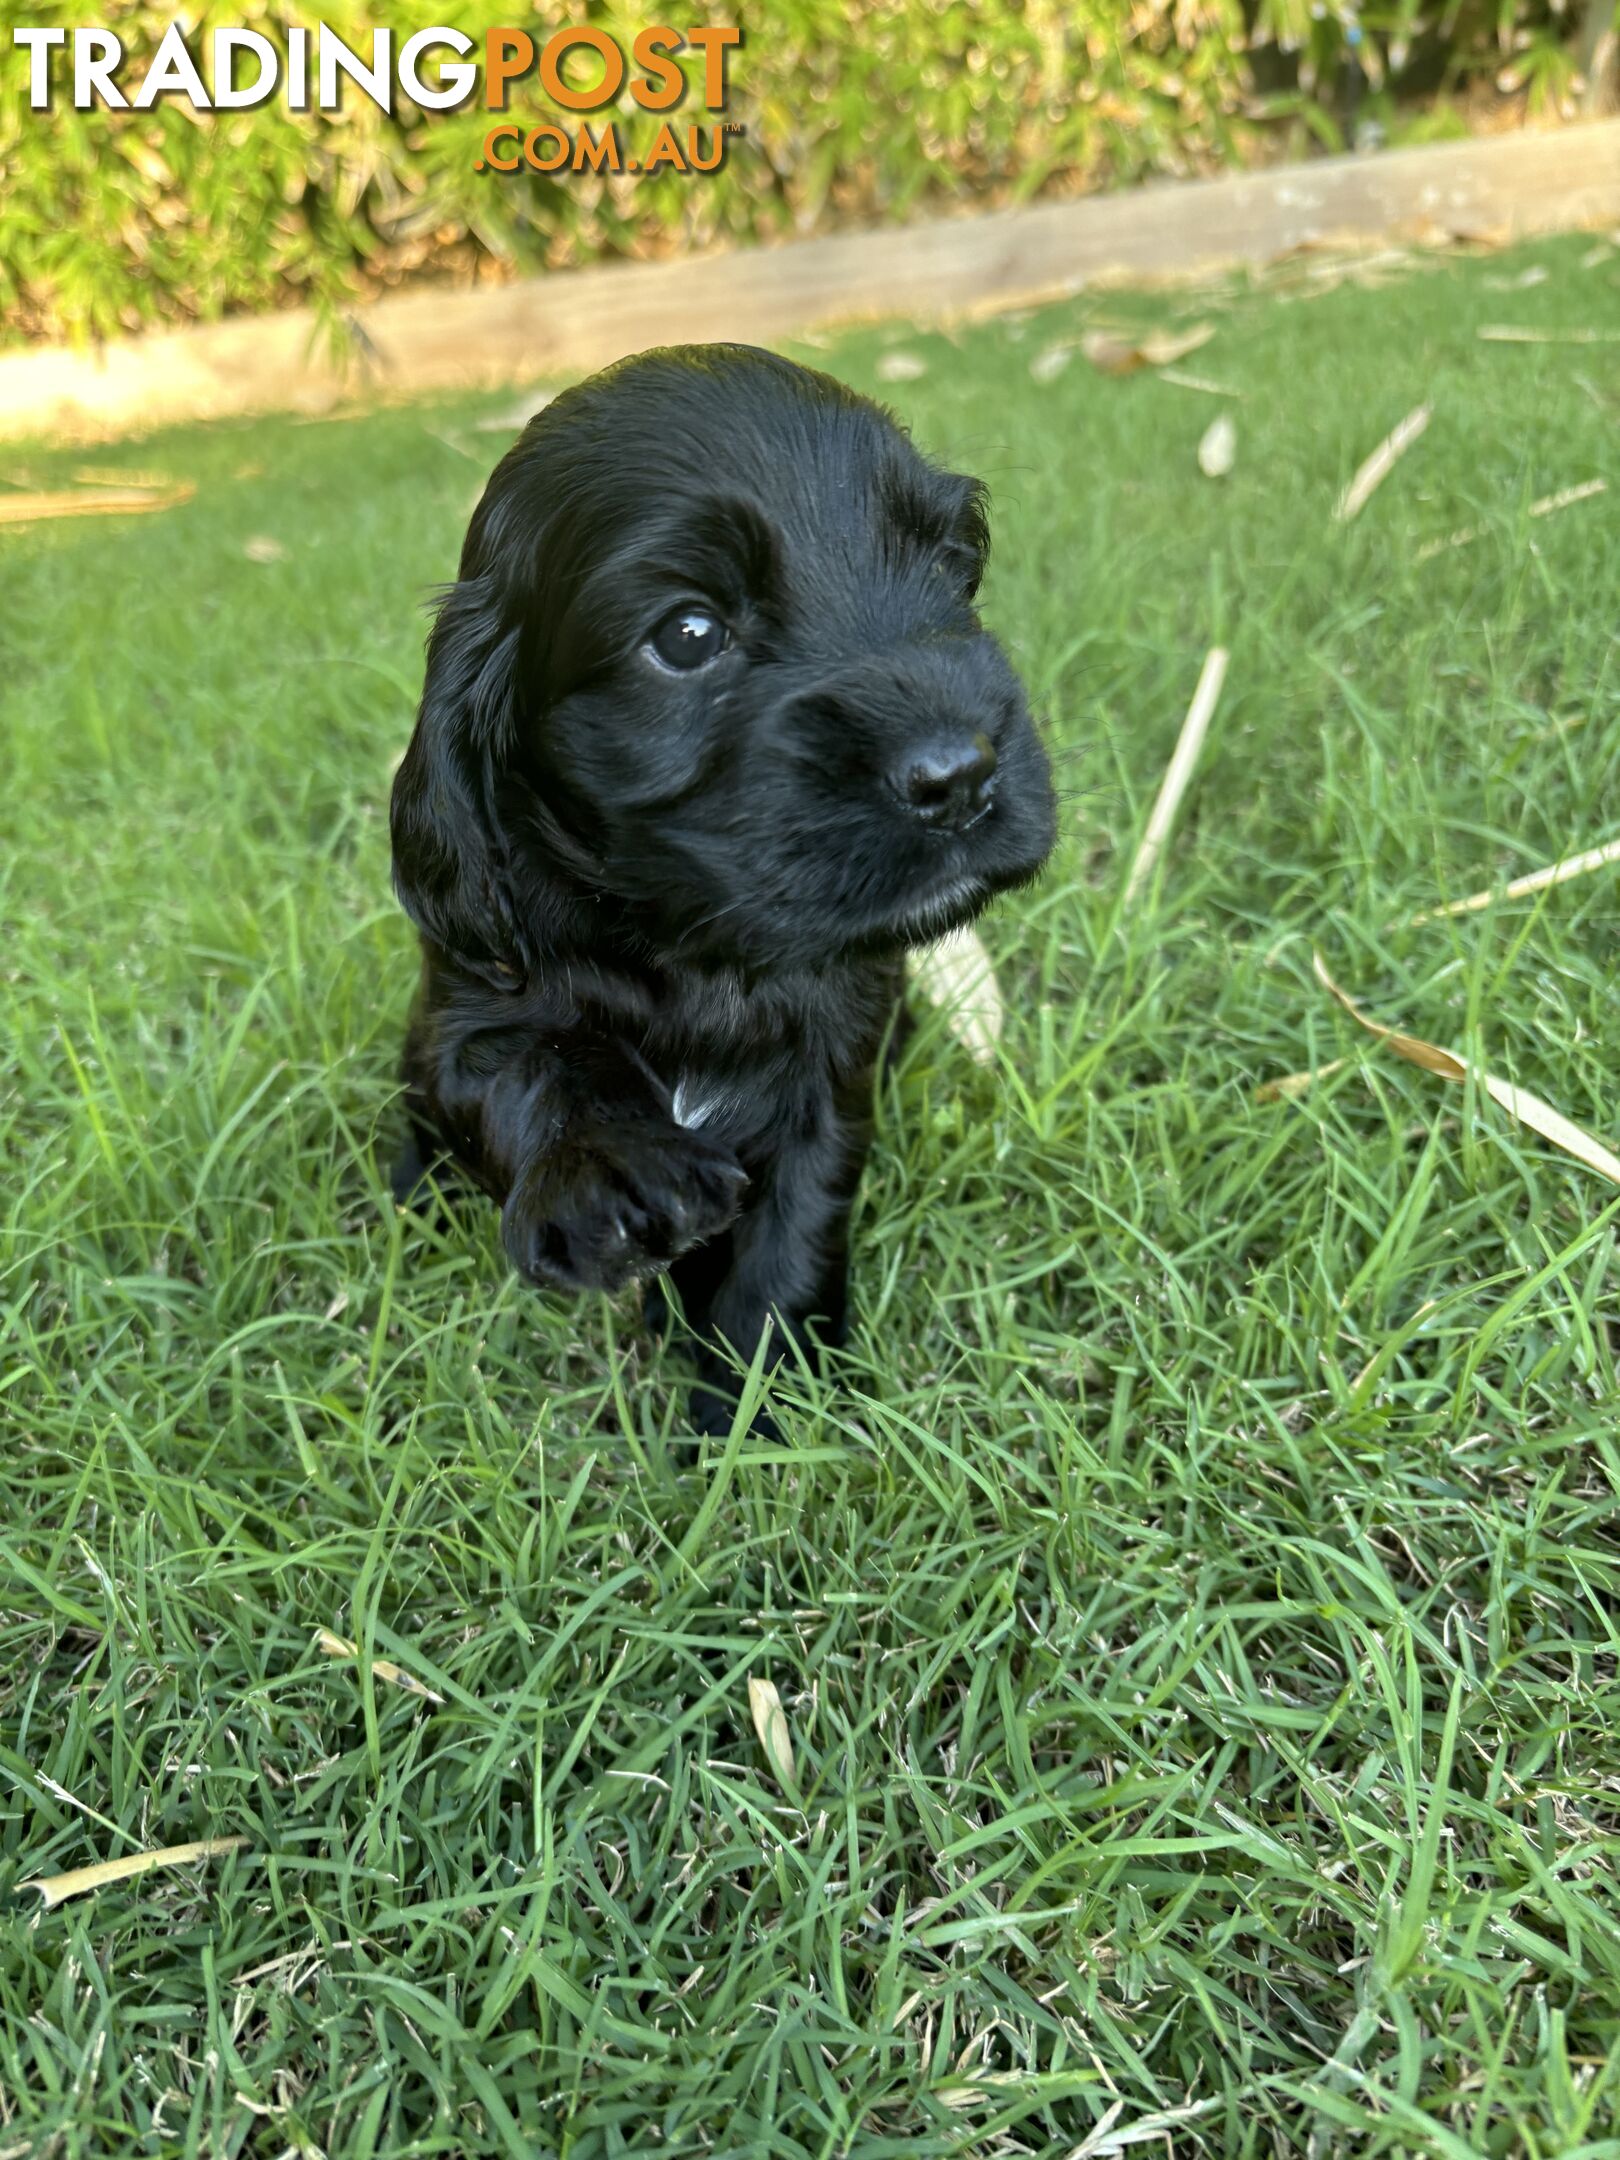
point(410, 1169)
point(786, 1262)
point(419, 1168)
point(901, 1029)
point(599, 1184)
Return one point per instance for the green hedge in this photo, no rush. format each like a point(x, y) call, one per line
point(854, 110)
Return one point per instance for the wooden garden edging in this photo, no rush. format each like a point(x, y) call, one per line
point(435, 339)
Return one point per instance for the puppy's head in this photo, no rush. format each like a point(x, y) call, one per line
point(713, 661)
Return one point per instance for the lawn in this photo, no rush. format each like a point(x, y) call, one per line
point(1195, 1610)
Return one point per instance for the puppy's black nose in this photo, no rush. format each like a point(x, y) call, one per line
point(947, 781)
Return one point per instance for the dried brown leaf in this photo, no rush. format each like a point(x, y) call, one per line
point(1429, 232)
point(1527, 1109)
point(57, 1889)
point(1117, 354)
point(1163, 348)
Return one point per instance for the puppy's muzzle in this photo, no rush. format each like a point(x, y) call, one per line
point(946, 780)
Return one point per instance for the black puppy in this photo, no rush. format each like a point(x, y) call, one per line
point(711, 732)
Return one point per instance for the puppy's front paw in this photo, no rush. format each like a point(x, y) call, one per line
point(605, 1208)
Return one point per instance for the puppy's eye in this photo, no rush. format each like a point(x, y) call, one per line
point(961, 568)
point(690, 638)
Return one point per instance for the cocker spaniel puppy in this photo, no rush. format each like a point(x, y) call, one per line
point(711, 733)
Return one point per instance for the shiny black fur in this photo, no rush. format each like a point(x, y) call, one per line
point(663, 915)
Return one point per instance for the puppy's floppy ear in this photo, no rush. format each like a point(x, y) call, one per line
point(451, 865)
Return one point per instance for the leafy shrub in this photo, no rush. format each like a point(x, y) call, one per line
point(854, 110)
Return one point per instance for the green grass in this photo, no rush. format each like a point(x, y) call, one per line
point(1197, 1610)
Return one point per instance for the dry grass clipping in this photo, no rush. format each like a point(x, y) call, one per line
point(91, 502)
point(770, 1722)
point(55, 1890)
point(384, 1668)
point(1512, 334)
point(1527, 1109)
point(1534, 881)
point(1288, 1085)
point(1545, 507)
point(1179, 771)
point(1373, 471)
point(1186, 381)
point(956, 976)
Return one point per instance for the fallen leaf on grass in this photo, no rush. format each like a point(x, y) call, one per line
point(1373, 471)
point(770, 1722)
point(1527, 1109)
point(90, 502)
point(1545, 507)
point(384, 1668)
point(1179, 770)
point(1513, 334)
point(956, 975)
point(1558, 873)
point(901, 367)
point(57, 1889)
point(1217, 450)
point(262, 548)
point(1428, 232)
point(1049, 364)
point(1116, 355)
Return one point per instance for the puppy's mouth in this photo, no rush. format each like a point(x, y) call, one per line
point(943, 911)
point(951, 898)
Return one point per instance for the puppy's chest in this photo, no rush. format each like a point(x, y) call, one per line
point(763, 1070)
point(753, 1107)
point(701, 1100)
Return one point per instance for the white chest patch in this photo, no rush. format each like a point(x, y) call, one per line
point(691, 1108)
